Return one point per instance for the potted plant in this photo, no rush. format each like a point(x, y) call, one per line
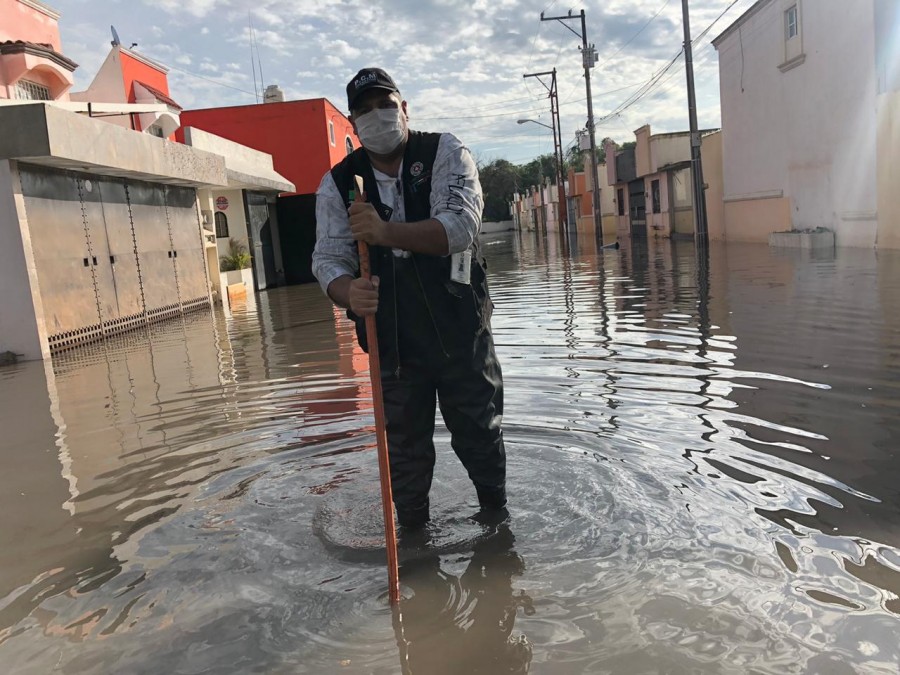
point(235, 265)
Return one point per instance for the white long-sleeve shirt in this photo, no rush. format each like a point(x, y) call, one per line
point(456, 201)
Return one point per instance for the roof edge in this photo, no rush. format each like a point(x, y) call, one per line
point(759, 5)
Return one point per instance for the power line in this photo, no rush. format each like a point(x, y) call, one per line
point(530, 111)
point(655, 79)
point(635, 36)
point(209, 79)
point(630, 40)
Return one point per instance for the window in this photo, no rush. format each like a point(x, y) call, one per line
point(221, 225)
point(155, 131)
point(620, 197)
point(348, 143)
point(793, 39)
point(331, 131)
point(654, 192)
point(32, 91)
point(791, 23)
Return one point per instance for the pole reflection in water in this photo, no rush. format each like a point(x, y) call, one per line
point(462, 624)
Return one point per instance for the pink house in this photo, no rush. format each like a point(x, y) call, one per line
point(31, 63)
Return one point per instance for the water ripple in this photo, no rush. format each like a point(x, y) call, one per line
point(702, 461)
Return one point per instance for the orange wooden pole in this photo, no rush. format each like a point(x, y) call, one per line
point(384, 467)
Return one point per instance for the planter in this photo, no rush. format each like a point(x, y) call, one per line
point(803, 239)
point(234, 278)
point(244, 276)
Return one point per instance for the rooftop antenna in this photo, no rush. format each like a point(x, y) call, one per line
point(254, 46)
point(262, 79)
point(252, 57)
point(115, 37)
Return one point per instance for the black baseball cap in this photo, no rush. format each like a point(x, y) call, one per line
point(365, 79)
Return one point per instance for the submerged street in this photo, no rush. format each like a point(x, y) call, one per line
point(703, 477)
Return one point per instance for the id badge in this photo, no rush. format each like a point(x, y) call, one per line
point(461, 267)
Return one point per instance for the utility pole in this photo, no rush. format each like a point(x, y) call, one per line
point(589, 59)
point(701, 234)
point(557, 142)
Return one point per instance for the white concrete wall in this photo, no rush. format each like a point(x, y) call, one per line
point(808, 131)
point(666, 150)
point(607, 192)
point(237, 219)
point(22, 329)
point(108, 86)
point(237, 157)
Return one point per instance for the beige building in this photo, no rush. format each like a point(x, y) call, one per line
point(536, 209)
point(810, 96)
point(651, 184)
point(608, 218)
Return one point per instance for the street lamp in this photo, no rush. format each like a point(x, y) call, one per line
point(560, 185)
point(536, 122)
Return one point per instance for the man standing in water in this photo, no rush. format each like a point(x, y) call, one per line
point(428, 291)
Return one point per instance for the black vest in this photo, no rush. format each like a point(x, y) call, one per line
point(422, 314)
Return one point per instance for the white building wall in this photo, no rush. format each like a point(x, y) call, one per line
point(669, 149)
point(22, 329)
point(237, 220)
point(806, 132)
point(108, 86)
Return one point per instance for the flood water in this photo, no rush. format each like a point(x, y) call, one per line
point(703, 478)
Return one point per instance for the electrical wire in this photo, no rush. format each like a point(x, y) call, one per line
point(636, 35)
point(654, 81)
point(209, 79)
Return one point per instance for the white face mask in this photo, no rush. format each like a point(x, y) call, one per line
point(381, 130)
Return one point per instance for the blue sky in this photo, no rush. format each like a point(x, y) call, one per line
point(459, 63)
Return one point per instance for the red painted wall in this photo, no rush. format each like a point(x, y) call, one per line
point(132, 70)
point(295, 133)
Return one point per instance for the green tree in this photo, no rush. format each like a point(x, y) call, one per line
point(533, 172)
point(576, 156)
point(499, 180)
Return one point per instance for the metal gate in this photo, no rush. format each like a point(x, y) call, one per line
point(111, 255)
point(637, 199)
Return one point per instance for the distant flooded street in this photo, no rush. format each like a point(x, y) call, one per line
point(704, 477)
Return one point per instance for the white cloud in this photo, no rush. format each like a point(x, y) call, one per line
point(459, 59)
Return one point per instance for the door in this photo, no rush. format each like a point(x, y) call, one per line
point(297, 229)
point(187, 246)
point(126, 301)
point(151, 232)
point(57, 211)
point(260, 232)
point(638, 212)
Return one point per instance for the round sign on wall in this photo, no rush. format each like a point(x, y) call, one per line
point(221, 203)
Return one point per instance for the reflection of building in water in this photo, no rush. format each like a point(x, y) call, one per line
point(464, 624)
point(34, 481)
point(122, 433)
point(825, 321)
